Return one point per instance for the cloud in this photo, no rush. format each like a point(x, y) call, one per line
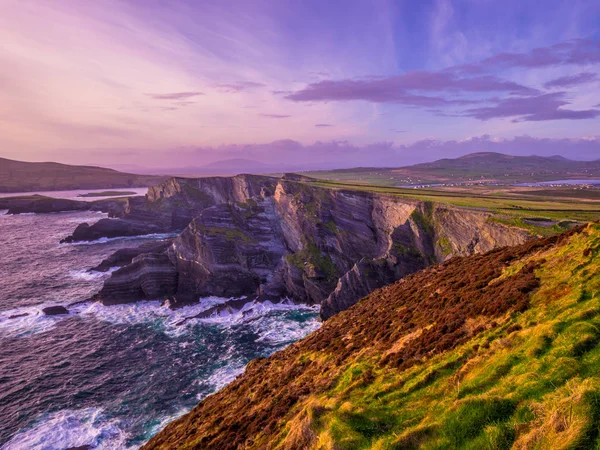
point(394, 130)
point(532, 109)
point(275, 116)
point(291, 155)
point(571, 80)
point(472, 84)
point(576, 52)
point(238, 86)
point(323, 125)
point(407, 88)
point(175, 95)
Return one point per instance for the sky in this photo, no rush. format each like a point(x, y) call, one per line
point(142, 84)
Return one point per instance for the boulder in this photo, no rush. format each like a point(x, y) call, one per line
point(55, 310)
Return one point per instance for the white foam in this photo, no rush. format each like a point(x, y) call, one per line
point(223, 376)
point(29, 320)
point(70, 428)
point(163, 421)
point(148, 312)
point(90, 276)
point(104, 240)
point(258, 315)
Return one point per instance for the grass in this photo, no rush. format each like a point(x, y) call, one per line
point(487, 352)
point(519, 207)
point(533, 383)
point(310, 259)
point(107, 194)
point(230, 234)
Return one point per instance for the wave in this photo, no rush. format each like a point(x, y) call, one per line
point(70, 428)
point(91, 276)
point(263, 317)
point(28, 320)
point(223, 376)
point(265, 320)
point(104, 240)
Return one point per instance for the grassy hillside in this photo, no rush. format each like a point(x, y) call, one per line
point(477, 167)
point(544, 211)
point(18, 176)
point(492, 351)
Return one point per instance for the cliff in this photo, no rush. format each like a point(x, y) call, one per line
point(274, 238)
point(486, 351)
point(171, 205)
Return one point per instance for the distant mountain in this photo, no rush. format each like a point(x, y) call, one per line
point(223, 167)
point(20, 176)
point(498, 166)
point(235, 166)
point(475, 167)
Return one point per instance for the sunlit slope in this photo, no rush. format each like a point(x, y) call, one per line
point(493, 351)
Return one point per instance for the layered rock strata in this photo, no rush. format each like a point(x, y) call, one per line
point(289, 237)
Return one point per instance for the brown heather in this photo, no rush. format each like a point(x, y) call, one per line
point(397, 327)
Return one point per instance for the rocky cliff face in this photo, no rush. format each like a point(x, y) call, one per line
point(172, 205)
point(261, 236)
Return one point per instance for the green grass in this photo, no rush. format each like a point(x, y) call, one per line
point(507, 205)
point(533, 381)
point(311, 258)
point(107, 194)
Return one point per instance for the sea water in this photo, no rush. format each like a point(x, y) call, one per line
point(110, 376)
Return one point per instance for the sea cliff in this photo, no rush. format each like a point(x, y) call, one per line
point(266, 237)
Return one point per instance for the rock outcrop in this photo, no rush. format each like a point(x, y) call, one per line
point(40, 204)
point(172, 205)
point(55, 310)
point(260, 236)
point(125, 256)
point(111, 228)
point(149, 276)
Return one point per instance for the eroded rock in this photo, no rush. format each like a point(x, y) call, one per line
point(55, 310)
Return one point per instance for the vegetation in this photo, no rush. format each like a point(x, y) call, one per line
point(474, 168)
point(310, 259)
point(544, 212)
point(19, 176)
point(230, 234)
point(492, 351)
point(106, 194)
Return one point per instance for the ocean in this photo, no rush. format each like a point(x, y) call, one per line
point(110, 377)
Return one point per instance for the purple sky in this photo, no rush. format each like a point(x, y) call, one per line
point(149, 83)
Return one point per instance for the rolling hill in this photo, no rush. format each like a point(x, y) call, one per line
point(19, 176)
point(491, 351)
point(475, 167)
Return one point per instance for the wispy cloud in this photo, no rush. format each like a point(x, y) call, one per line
point(573, 52)
point(406, 89)
point(276, 116)
point(323, 125)
point(571, 80)
point(532, 109)
point(175, 95)
point(239, 86)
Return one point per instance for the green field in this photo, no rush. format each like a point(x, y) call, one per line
point(544, 211)
point(106, 194)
